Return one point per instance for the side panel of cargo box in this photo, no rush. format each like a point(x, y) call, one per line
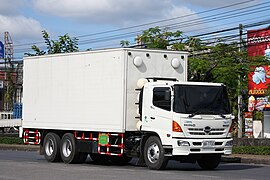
point(77, 91)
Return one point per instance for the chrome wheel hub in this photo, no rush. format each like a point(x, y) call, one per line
point(67, 148)
point(49, 147)
point(153, 153)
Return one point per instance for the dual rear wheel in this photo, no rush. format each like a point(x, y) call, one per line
point(55, 149)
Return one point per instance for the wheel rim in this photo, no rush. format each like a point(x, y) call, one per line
point(49, 147)
point(67, 148)
point(153, 153)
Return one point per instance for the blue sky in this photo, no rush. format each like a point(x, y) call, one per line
point(25, 19)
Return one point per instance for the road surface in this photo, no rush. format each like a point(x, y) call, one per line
point(21, 165)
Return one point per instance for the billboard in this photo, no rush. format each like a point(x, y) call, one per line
point(2, 53)
point(259, 45)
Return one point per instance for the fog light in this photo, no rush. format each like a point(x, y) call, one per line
point(183, 143)
point(229, 143)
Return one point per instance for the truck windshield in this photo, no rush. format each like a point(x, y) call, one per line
point(197, 99)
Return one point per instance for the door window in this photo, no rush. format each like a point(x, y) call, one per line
point(162, 98)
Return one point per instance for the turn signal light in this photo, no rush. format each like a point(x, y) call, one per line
point(231, 128)
point(176, 127)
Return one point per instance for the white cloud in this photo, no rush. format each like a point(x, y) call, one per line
point(113, 12)
point(7, 7)
point(186, 18)
point(20, 27)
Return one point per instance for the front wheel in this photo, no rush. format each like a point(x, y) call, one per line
point(154, 154)
point(209, 162)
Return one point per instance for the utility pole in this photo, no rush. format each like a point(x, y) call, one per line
point(239, 101)
point(8, 99)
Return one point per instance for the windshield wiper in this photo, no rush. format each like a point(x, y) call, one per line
point(210, 112)
point(195, 113)
point(216, 113)
point(222, 115)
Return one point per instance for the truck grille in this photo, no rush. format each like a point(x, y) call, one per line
point(200, 131)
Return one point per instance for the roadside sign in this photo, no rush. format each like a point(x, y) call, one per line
point(2, 53)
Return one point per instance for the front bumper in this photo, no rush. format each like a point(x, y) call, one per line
point(201, 146)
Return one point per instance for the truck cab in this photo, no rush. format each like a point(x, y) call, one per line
point(190, 119)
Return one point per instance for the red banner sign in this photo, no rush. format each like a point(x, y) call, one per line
point(259, 45)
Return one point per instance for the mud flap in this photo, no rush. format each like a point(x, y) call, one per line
point(141, 161)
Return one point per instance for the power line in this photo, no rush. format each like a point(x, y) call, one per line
point(134, 33)
point(151, 23)
point(209, 33)
point(188, 24)
point(165, 20)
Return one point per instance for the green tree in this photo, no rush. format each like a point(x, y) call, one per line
point(124, 43)
point(222, 62)
point(64, 44)
point(158, 38)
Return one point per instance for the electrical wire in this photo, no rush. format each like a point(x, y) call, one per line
point(134, 33)
point(151, 23)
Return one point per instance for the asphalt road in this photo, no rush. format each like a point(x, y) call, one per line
point(21, 165)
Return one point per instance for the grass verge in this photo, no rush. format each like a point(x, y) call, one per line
point(10, 140)
point(256, 150)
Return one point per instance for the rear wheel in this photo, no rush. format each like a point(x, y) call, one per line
point(51, 147)
point(68, 149)
point(154, 154)
point(209, 162)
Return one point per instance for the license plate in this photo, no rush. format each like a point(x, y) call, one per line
point(208, 144)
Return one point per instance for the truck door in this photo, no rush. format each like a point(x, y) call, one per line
point(157, 116)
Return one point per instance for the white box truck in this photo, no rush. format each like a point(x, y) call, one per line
point(121, 103)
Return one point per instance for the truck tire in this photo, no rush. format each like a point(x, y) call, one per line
point(154, 154)
point(68, 150)
point(51, 147)
point(209, 162)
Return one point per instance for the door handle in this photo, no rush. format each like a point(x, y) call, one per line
point(152, 118)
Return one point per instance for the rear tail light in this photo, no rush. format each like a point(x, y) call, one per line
point(176, 127)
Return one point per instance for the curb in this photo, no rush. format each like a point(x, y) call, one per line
point(17, 147)
point(228, 159)
point(246, 159)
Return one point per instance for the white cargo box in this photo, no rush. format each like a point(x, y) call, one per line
point(93, 90)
